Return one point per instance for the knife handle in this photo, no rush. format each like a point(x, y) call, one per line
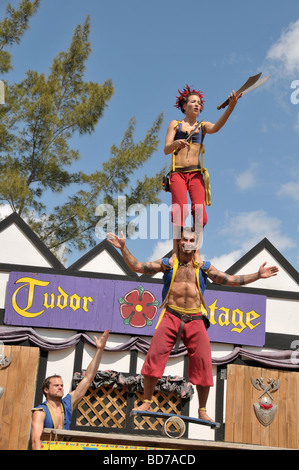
point(226, 103)
point(223, 105)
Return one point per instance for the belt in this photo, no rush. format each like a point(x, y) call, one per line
point(184, 319)
point(185, 169)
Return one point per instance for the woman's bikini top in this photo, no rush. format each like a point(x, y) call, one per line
point(197, 137)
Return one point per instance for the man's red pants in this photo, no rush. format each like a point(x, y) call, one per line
point(196, 340)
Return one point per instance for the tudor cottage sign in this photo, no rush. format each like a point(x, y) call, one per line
point(128, 307)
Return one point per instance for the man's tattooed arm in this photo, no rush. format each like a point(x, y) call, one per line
point(135, 265)
point(150, 267)
point(227, 280)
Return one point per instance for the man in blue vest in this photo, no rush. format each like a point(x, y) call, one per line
point(56, 411)
point(184, 315)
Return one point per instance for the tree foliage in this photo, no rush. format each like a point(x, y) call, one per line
point(12, 29)
point(39, 117)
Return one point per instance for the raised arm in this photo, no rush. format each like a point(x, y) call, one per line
point(149, 267)
point(91, 370)
point(240, 280)
point(211, 128)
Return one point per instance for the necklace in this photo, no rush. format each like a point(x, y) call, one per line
point(184, 265)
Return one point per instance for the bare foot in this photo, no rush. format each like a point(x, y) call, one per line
point(202, 414)
point(145, 406)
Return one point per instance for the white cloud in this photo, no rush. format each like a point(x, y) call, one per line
point(5, 211)
point(242, 230)
point(248, 178)
point(161, 249)
point(223, 262)
point(282, 62)
point(290, 190)
point(246, 229)
point(283, 55)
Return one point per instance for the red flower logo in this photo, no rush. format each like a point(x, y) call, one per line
point(138, 307)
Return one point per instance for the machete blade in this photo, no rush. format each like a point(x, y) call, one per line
point(259, 83)
point(249, 83)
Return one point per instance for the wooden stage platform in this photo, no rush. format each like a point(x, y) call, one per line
point(118, 441)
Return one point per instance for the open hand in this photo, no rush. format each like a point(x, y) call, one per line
point(101, 343)
point(118, 242)
point(267, 272)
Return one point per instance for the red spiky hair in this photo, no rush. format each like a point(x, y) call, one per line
point(181, 99)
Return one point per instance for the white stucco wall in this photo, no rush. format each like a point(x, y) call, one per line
point(282, 317)
point(16, 248)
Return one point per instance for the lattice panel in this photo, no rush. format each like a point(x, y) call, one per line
point(169, 403)
point(107, 407)
point(103, 407)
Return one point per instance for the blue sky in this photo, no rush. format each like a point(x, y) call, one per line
point(149, 50)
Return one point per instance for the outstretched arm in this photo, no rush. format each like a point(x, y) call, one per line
point(211, 128)
point(91, 370)
point(149, 267)
point(240, 280)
